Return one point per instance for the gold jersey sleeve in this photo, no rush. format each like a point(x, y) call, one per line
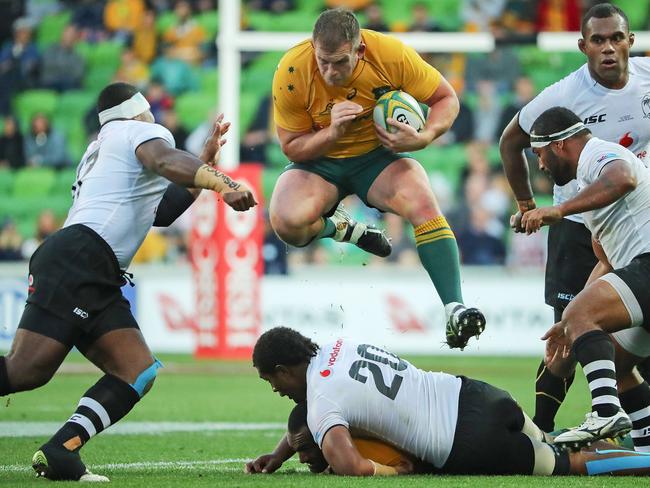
point(302, 101)
point(378, 451)
point(290, 89)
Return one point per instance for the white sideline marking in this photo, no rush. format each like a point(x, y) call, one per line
point(33, 429)
point(97, 468)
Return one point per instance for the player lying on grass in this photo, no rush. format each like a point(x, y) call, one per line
point(614, 199)
point(455, 425)
point(604, 458)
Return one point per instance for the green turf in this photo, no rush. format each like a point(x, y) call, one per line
point(206, 391)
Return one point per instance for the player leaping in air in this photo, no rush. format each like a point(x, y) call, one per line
point(324, 92)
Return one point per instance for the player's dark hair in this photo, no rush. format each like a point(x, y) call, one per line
point(556, 119)
point(282, 346)
point(336, 27)
point(297, 418)
point(602, 11)
point(114, 94)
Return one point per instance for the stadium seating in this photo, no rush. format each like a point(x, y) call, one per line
point(6, 181)
point(33, 182)
point(52, 189)
point(50, 29)
point(30, 102)
point(194, 108)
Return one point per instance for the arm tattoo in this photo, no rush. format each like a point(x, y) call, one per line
point(228, 181)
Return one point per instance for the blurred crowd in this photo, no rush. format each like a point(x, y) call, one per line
point(166, 60)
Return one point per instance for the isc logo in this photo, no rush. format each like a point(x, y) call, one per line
point(82, 313)
point(593, 119)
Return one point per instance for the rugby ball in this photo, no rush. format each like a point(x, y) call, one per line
point(400, 106)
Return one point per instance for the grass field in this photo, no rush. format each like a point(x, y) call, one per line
point(203, 420)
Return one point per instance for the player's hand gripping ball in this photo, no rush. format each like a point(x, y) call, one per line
point(400, 106)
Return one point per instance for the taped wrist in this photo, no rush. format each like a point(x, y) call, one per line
point(212, 179)
point(527, 204)
point(382, 469)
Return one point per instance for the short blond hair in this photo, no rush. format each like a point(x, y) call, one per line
point(336, 27)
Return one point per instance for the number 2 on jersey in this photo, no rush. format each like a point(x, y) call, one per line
point(370, 363)
point(84, 168)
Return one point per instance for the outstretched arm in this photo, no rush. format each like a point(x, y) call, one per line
point(184, 169)
point(615, 181)
point(269, 463)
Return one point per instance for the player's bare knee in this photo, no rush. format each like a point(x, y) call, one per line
point(413, 206)
point(290, 226)
point(577, 321)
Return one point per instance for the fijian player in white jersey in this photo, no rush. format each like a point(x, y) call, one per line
point(611, 94)
point(451, 424)
point(614, 198)
point(129, 179)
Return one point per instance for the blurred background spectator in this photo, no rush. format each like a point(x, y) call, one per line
point(10, 241)
point(145, 38)
point(175, 74)
point(133, 70)
point(185, 37)
point(12, 151)
point(123, 17)
point(45, 145)
point(19, 62)
point(63, 68)
point(375, 18)
point(170, 120)
point(422, 19)
point(88, 18)
point(158, 98)
point(46, 224)
point(257, 137)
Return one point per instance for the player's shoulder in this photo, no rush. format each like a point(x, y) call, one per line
point(598, 150)
point(298, 59)
point(381, 47)
point(137, 132)
point(563, 92)
point(640, 64)
point(566, 87)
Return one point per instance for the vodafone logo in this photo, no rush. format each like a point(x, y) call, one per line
point(326, 372)
point(627, 140)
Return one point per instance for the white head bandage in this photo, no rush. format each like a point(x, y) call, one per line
point(541, 141)
point(128, 109)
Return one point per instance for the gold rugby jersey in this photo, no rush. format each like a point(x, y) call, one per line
point(302, 101)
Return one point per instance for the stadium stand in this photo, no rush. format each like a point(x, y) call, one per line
point(69, 110)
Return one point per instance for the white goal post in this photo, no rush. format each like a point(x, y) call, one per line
point(232, 41)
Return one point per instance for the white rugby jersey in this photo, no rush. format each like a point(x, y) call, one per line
point(621, 116)
point(114, 194)
point(371, 391)
point(623, 228)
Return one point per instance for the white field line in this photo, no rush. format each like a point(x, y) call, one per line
point(222, 464)
point(33, 429)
